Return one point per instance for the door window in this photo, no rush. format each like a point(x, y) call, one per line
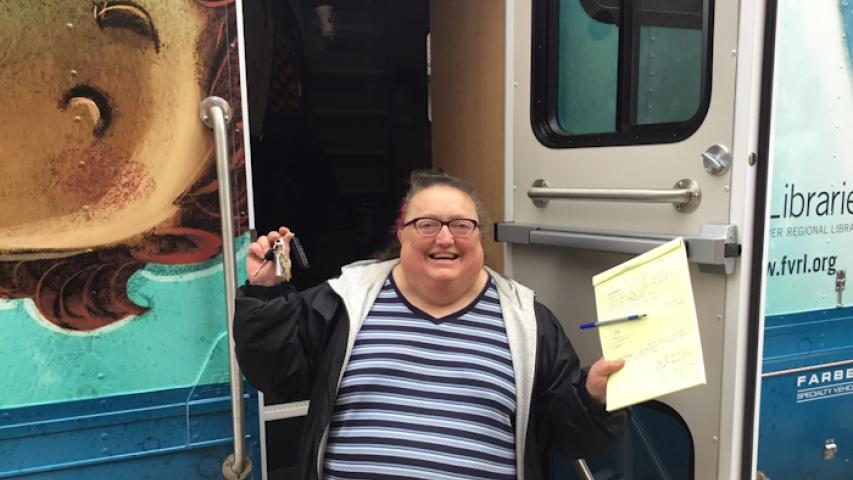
point(613, 72)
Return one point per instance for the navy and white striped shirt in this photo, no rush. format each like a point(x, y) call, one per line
point(426, 398)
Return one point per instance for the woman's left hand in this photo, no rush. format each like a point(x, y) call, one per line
point(596, 379)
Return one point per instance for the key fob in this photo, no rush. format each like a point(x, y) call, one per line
point(300, 257)
point(297, 251)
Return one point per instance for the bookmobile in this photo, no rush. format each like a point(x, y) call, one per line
point(594, 130)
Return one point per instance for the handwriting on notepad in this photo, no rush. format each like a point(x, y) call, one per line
point(663, 353)
point(646, 290)
point(674, 366)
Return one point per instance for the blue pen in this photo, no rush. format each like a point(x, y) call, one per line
point(639, 316)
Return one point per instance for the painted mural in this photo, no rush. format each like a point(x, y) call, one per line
point(110, 265)
point(807, 358)
point(811, 208)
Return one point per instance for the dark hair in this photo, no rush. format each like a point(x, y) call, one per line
point(421, 180)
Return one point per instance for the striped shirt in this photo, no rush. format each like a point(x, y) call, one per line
point(426, 398)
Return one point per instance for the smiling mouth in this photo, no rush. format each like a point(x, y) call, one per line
point(443, 256)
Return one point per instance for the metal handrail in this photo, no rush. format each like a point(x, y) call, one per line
point(583, 469)
point(684, 196)
point(215, 113)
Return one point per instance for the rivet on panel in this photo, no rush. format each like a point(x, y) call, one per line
point(726, 188)
point(69, 25)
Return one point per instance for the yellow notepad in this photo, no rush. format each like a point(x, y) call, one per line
point(663, 351)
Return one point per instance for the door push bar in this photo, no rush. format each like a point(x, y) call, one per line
point(215, 113)
point(714, 248)
point(685, 195)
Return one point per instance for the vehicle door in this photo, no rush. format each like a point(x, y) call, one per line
point(621, 136)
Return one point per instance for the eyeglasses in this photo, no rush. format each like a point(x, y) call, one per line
point(429, 227)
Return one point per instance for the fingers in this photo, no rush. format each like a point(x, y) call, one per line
point(613, 366)
point(265, 241)
point(272, 237)
point(256, 250)
point(608, 367)
point(286, 234)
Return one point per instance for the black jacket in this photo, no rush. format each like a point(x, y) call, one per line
point(295, 345)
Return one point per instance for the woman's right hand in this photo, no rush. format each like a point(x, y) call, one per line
point(255, 258)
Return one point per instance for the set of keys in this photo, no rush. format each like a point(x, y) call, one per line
point(283, 266)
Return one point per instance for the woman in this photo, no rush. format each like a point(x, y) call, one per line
point(428, 366)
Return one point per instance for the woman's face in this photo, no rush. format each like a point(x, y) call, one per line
point(442, 258)
point(100, 133)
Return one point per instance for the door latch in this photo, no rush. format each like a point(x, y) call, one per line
point(840, 283)
point(830, 448)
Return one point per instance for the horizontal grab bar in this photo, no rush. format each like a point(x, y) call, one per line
point(684, 196)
